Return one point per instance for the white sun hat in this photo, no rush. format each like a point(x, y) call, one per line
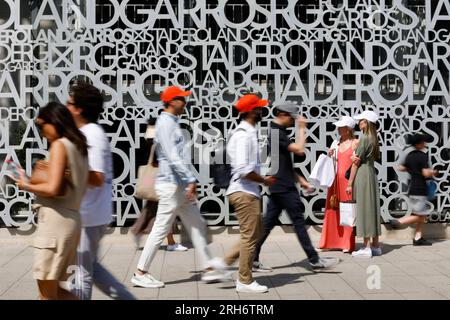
point(345, 121)
point(367, 115)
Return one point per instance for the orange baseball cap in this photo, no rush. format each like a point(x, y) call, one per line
point(249, 102)
point(172, 92)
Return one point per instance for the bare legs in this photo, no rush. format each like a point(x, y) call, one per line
point(375, 242)
point(50, 290)
point(414, 219)
point(170, 239)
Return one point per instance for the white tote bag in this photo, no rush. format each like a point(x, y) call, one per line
point(322, 174)
point(347, 213)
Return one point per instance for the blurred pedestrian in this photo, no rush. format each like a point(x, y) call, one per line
point(417, 165)
point(244, 192)
point(58, 201)
point(85, 103)
point(176, 188)
point(144, 223)
point(284, 195)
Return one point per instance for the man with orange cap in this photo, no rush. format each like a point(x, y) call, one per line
point(177, 191)
point(244, 191)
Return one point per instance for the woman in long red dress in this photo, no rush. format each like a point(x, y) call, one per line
point(333, 235)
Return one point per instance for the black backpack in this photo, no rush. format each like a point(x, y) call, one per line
point(220, 164)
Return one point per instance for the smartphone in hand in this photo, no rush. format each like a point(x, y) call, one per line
point(14, 170)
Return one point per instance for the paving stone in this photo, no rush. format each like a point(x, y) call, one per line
point(407, 272)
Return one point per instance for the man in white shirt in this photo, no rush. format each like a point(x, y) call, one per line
point(86, 104)
point(244, 191)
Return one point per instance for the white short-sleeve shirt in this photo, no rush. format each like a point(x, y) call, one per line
point(96, 207)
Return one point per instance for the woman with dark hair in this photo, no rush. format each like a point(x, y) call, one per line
point(363, 185)
point(58, 201)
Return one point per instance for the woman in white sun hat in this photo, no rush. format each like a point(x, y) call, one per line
point(333, 235)
point(363, 185)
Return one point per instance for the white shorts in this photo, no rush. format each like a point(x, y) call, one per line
point(418, 205)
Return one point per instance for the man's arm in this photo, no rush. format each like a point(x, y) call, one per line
point(245, 163)
point(304, 183)
point(165, 134)
point(96, 151)
point(429, 173)
point(267, 180)
point(300, 142)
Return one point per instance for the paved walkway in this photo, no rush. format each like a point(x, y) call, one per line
point(406, 272)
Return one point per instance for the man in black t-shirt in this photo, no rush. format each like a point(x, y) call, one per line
point(416, 163)
point(284, 193)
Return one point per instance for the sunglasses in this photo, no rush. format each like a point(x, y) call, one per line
point(183, 99)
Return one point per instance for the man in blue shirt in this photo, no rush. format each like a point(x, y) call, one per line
point(177, 191)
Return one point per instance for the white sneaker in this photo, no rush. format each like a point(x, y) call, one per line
point(376, 252)
point(176, 247)
point(253, 287)
point(216, 276)
point(362, 253)
point(146, 281)
point(259, 267)
point(218, 264)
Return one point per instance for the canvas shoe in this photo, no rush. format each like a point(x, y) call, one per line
point(363, 253)
point(212, 276)
point(259, 267)
point(176, 247)
point(218, 264)
point(421, 242)
point(394, 224)
point(253, 287)
point(146, 281)
point(325, 263)
point(376, 252)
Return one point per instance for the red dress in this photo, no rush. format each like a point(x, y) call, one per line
point(333, 235)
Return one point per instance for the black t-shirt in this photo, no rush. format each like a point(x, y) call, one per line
point(416, 161)
point(281, 161)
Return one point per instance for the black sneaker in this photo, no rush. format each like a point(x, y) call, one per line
point(394, 224)
point(421, 242)
point(325, 263)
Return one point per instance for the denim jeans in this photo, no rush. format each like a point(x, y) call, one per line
point(290, 201)
point(92, 272)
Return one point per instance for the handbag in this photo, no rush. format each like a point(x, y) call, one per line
point(145, 184)
point(322, 174)
point(347, 213)
point(40, 174)
point(334, 199)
